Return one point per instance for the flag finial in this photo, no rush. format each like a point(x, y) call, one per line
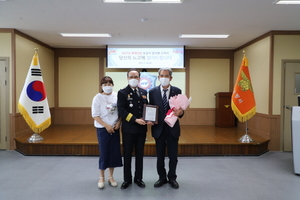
point(244, 52)
point(35, 57)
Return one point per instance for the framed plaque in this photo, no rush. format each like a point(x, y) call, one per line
point(150, 113)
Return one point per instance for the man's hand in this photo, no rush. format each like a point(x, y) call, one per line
point(178, 112)
point(140, 121)
point(150, 123)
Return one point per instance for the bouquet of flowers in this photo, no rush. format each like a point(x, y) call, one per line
point(178, 101)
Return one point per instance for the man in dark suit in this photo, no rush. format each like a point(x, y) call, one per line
point(165, 136)
point(130, 104)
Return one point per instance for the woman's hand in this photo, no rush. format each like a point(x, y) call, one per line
point(110, 129)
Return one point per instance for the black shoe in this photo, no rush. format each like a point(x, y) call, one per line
point(159, 183)
point(140, 183)
point(125, 184)
point(174, 184)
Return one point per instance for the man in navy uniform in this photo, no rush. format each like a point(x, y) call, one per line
point(130, 104)
point(166, 137)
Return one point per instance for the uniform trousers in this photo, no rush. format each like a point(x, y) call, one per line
point(166, 140)
point(130, 142)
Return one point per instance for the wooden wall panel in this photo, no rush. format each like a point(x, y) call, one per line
point(260, 124)
point(79, 116)
point(275, 133)
point(18, 127)
point(198, 116)
point(265, 126)
point(73, 116)
point(21, 127)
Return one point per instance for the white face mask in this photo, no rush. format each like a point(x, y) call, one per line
point(133, 82)
point(164, 81)
point(107, 89)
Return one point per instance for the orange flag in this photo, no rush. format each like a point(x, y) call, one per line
point(242, 99)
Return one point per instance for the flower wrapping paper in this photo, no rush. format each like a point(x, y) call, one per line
point(178, 101)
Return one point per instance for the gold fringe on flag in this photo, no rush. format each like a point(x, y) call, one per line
point(242, 100)
point(30, 122)
point(243, 117)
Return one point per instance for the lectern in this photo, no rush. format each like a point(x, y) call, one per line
point(296, 138)
point(224, 115)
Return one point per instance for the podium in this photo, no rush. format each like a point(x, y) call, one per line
point(296, 138)
point(224, 116)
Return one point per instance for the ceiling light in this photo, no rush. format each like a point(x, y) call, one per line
point(142, 1)
point(86, 34)
point(287, 2)
point(202, 36)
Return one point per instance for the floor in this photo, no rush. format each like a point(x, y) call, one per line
point(269, 176)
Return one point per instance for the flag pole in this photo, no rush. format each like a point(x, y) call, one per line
point(35, 137)
point(33, 103)
point(246, 138)
point(242, 100)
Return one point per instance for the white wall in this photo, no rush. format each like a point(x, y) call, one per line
point(78, 80)
point(207, 77)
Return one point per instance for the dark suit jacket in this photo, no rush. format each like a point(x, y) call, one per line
point(130, 108)
point(155, 98)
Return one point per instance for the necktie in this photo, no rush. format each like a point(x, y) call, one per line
point(165, 101)
point(136, 92)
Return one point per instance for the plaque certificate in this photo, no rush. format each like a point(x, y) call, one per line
point(150, 113)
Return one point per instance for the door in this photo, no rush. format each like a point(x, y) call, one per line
point(3, 102)
point(291, 92)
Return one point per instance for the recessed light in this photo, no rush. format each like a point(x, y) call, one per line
point(287, 2)
point(202, 36)
point(142, 1)
point(86, 34)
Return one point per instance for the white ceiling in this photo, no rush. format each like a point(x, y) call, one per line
point(244, 20)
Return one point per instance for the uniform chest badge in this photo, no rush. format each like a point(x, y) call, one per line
point(129, 97)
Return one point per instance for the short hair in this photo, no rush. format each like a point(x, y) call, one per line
point(106, 79)
point(165, 69)
point(133, 69)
